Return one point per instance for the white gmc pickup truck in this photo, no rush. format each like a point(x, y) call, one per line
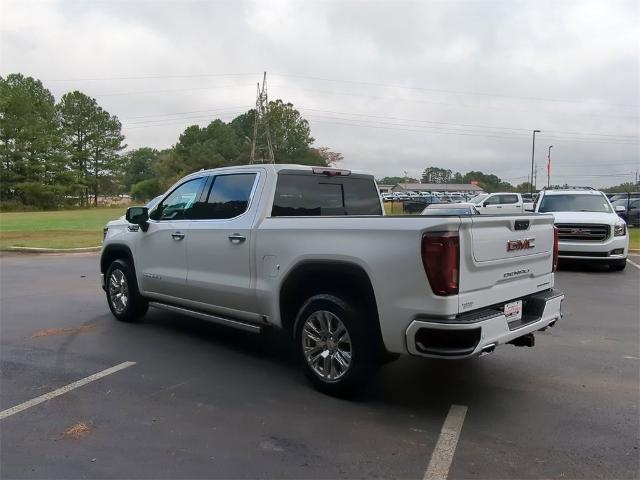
point(309, 250)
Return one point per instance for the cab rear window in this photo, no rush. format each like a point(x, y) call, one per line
point(300, 195)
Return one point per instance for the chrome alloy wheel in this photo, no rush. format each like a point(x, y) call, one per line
point(326, 345)
point(118, 290)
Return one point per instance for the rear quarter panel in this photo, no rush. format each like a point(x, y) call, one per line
point(386, 248)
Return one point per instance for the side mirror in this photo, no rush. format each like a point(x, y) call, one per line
point(138, 216)
point(621, 209)
point(529, 209)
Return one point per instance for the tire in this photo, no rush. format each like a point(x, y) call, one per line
point(618, 265)
point(343, 359)
point(123, 297)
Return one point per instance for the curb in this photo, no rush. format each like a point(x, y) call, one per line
point(52, 250)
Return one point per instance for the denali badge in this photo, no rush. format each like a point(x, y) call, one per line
point(522, 244)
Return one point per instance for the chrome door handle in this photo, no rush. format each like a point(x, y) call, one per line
point(237, 238)
point(177, 235)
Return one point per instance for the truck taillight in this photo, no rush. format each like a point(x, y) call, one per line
point(555, 248)
point(441, 260)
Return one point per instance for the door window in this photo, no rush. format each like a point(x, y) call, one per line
point(228, 198)
point(494, 200)
point(178, 204)
point(508, 199)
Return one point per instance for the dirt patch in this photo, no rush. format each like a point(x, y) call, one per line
point(79, 430)
point(59, 331)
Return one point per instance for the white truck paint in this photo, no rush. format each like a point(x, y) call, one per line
point(259, 267)
point(589, 229)
point(498, 203)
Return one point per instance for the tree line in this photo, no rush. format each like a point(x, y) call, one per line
point(71, 152)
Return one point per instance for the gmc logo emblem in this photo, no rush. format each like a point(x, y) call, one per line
point(522, 244)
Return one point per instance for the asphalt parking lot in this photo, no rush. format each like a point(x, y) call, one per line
point(205, 401)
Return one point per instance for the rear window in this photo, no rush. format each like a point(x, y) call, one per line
point(299, 195)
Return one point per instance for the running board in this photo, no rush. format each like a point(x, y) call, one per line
point(247, 327)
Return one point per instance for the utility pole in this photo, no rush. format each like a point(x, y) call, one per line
point(533, 152)
point(549, 167)
point(261, 132)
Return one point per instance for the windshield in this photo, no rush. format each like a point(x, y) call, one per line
point(478, 198)
point(574, 203)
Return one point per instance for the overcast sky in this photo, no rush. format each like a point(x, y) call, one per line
point(394, 85)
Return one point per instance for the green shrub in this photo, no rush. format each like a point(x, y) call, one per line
point(146, 189)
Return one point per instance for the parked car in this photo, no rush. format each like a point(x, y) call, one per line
point(309, 250)
point(620, 196)
point(387, 197)
point(628, 210)
point(588, 227)
point(400, 196)
point(492, 203)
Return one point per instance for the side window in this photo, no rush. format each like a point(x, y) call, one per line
point(493, 200)
point(177, 205)
point(634, 204)
point(229, 197)
point(508, 199)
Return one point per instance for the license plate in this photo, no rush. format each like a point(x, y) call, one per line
point(513, 310)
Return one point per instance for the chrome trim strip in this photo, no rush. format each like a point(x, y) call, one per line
point(247, 327)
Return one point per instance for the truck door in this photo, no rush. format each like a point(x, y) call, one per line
point(219, 245)
point(161, 257)
point(511, 203)
point(490, 205)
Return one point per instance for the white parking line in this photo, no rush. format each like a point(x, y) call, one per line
point(442, 455)
point(67, 388)
point(633, 263)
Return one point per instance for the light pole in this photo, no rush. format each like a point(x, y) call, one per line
point(533, 152)
point(549, 167)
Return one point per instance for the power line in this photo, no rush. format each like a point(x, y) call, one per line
point(173, 90)
point(150, 77)
point(527, 130)
point(450, 131)
point(187, 112)
point(458, 105)
point(455, 92)
point(179, 121)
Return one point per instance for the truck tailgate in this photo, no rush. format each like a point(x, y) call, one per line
point(504, 257)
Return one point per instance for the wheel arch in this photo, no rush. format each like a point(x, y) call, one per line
point(341, 278)
point(114, 252)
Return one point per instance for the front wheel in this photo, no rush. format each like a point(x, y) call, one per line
point(618, 265)
point(334, 346)
point(123, 297)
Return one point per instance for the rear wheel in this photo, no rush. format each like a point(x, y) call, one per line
point(618, 265)
point(334, 346)
point(123, 297)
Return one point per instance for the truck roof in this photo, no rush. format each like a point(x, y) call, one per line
point(277, 167)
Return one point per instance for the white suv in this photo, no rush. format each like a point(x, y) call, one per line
point(588, 226)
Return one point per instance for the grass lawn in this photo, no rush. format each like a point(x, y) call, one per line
point(634, 238)
point(60, 229)
point(393, 208)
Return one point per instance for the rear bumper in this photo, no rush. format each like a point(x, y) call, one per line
point(483, 330)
